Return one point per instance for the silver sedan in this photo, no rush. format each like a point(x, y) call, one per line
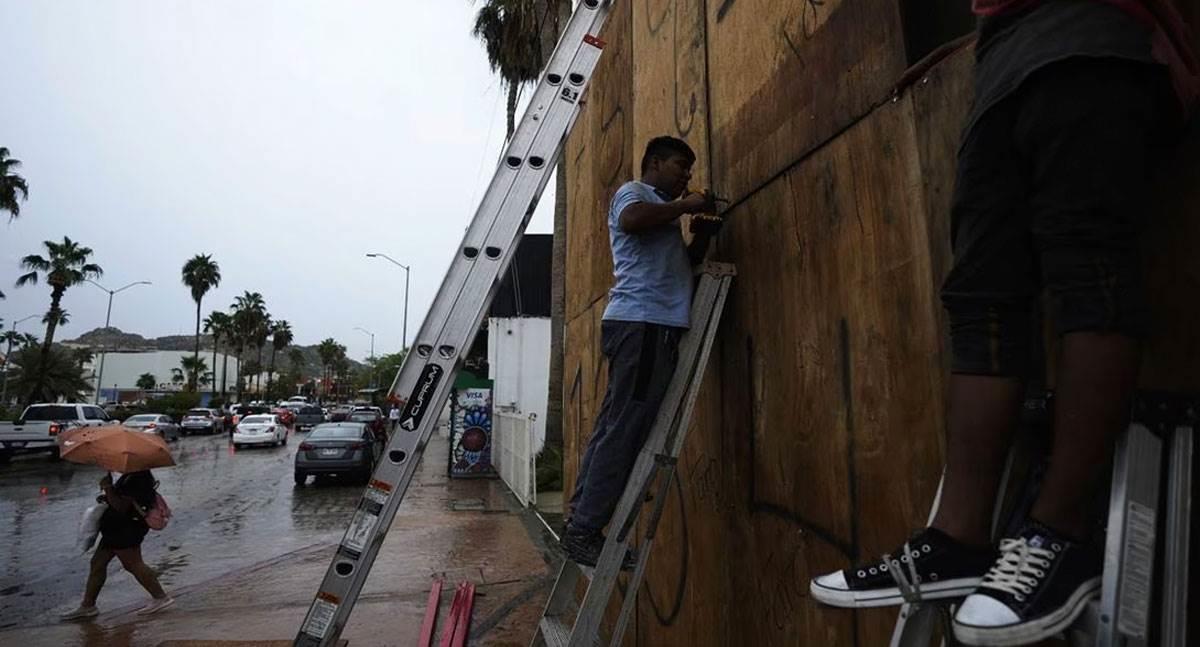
point(153, 423)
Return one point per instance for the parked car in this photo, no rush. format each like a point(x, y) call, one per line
point(308, 417)
point(38, 428)
point(260, 429)
point(286, 415)
point(153, 423)
point(240, 411)
point(298, 398)
point(209, 421)
point(339, 414)
point(338, 448)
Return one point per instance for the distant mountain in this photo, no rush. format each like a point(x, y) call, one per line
point(114, 339)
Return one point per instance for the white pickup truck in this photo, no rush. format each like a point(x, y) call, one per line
point(38, 427)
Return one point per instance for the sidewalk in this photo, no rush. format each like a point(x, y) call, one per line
point(464, 530)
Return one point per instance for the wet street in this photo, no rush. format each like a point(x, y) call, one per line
point(232, 511)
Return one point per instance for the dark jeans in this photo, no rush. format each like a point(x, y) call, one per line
point(641, 360)
point(1050, 193)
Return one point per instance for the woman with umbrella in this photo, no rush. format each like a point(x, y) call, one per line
point(123, 525)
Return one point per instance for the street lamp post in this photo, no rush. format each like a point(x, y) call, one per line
point(107, 318)
point(373, 371)
point(407, 271)
point(8, 360)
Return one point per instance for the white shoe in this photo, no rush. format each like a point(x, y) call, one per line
point(79, 613)
point(156, 605)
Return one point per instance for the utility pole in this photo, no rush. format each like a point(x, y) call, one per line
point(407, 271)
point(373, 371)
point(107, 318)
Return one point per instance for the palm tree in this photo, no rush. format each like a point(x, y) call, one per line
point(327, 351)
point(281, 336)
point(519, 36)
point(297, 359)
point(11, 184)
point(200, 274)
point(66, 265)
point(147, 381)
point(509, 31)
point(46, 378)
point(193, 366)
point(177, 376)
point(248, 311)
point(217, 325)
point(261, 332)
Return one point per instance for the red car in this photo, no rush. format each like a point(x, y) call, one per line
point(286, 415)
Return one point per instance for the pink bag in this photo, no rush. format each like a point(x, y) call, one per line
point(159, 514)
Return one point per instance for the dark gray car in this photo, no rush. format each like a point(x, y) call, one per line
point(308, 416)
point(343, 448)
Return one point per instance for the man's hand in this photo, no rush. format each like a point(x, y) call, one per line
point(699, 203)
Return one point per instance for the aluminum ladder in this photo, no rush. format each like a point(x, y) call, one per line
point(1163, 429)
point(563, 622)
point(424, 380)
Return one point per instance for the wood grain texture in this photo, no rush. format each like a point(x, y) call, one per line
point(788, 75)
point(600, 160)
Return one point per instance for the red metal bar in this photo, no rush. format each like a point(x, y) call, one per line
point(463, 625)
point(431, 613)
point(452, 618)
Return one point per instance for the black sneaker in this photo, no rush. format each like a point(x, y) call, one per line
point(1038, 586)
point(931, 564)
point(583, 546)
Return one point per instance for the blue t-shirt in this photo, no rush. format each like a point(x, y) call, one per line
point(653, 276)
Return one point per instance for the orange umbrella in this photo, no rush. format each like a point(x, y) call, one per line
point(115, 448)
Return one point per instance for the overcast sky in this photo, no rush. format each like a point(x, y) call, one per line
point(285, 138)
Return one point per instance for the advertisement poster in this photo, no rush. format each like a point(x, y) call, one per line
point(471, 433)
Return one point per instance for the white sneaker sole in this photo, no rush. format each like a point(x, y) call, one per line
point(1033, 630)
point(67, 617)
point(891, 596)
point(155, 608)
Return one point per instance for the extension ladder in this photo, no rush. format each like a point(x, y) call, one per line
point(1137, 512)
point(424, 380)
point(656, 462)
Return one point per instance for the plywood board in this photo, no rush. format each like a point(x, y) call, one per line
point(834, 349)
point(786, 76)
point(599, 154)
point(669, 71)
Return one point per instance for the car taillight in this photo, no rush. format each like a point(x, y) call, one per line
point(359, 445)
point(152, 425)
point(54, 429)
point(305, 447)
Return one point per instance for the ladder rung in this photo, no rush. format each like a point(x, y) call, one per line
point(554, 632)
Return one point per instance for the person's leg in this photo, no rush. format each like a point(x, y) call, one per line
point(613, 337)
point(642, 363)
point(97, 575)
point(1088, 130)
point(131, 559)
point(989, 299)
point(1087, 229)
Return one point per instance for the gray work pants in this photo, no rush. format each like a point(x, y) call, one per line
point(641, 360)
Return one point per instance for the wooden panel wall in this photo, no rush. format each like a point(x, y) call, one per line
point(786, 76)
point(818, 435)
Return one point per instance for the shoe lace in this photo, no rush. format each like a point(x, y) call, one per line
point(1019, 570)
point(910, 583)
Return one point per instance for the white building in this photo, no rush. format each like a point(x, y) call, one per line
point(118, 372)
point(519, 367)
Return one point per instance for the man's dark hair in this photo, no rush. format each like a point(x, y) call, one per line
point(664, 147)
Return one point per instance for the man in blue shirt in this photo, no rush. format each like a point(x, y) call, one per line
point(648, 310)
